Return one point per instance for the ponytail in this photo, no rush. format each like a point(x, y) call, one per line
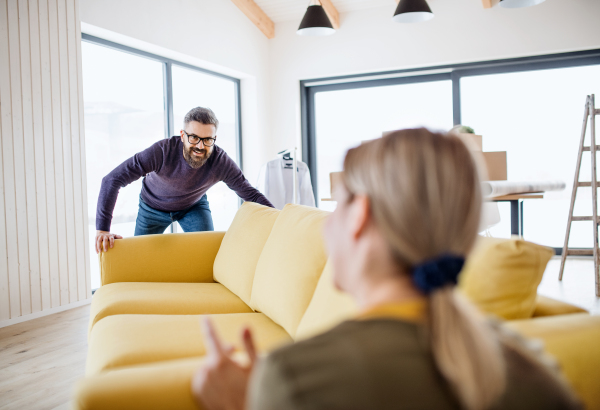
point(466, 350)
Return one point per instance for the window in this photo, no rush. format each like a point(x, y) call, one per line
point(133, 99)
point(345, 118)
point(531, 107)
point(535, 116)
point(192, 89)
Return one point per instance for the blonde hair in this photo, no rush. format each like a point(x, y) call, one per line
point(425, 197)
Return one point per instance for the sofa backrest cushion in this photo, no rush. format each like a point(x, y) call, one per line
point(161, 258)
point(328, 307)
point(501, 276)
point(242, 245)
point(290, 265)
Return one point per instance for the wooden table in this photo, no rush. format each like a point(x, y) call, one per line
point(516, 209)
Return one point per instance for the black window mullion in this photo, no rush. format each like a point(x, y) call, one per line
point(168, 95)
point(456, 112)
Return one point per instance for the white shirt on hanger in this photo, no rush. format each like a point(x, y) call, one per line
point(275, 181)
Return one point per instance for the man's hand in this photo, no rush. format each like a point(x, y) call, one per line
point(221, 382)
point(104, 239)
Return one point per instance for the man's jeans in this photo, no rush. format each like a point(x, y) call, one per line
point(193, 219)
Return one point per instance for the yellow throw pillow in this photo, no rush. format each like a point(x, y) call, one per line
point(327, 308)
point(242, 245)
point(290, 266)
point(501, 276)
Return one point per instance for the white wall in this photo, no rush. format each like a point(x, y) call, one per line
point(462, 31)
point(213, 34)
point(44, 263)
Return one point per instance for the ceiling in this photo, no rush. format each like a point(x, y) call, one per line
point(286, 10)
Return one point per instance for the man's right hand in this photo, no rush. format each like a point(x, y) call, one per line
point(105, 239)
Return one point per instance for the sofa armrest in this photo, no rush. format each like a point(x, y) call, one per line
point(545, 306)
point(177, 257)
point(165, 385)
point(573, 341)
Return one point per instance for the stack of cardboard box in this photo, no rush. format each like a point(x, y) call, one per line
point(495, 161)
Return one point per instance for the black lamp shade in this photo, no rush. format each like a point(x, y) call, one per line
point(412, 11)
point(315, 22)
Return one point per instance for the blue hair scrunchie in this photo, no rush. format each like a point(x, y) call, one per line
point(435, 273)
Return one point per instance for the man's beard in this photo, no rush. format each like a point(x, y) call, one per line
point(193, 161)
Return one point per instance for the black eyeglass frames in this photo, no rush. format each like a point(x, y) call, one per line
point(194, 139)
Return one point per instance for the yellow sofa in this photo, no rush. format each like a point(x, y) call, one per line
point(269, 272)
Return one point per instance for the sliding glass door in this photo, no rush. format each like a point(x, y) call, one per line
point(530, 107)
point(133, 99)
point(124, 114)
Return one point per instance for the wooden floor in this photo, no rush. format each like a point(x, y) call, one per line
point(40, 360)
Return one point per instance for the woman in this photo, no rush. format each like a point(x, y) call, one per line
point(408, 214)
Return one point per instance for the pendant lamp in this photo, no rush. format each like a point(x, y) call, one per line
point(412, 11)
point(315, 21)
point(515, 4)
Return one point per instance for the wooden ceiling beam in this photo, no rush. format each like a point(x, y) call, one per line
point(257, 16)
point(331, 12)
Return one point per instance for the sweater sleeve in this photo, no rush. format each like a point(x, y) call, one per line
point(270, 388)
point(234, 178)
point(132, 169)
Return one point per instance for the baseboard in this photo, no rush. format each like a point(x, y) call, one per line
point(51, 311)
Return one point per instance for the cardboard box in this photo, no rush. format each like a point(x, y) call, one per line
point(334, 179)
point(495, 162)
point(496, 165)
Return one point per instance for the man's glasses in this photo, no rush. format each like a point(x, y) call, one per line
point(194, 139)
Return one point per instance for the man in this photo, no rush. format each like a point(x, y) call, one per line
point(177, 173)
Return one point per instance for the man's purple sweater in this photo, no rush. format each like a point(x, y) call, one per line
point(170, 183)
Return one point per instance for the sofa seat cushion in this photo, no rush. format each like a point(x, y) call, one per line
point(125, 340)
point(501, 276)
point(290, 266)
point(242, 245)
point(573, 341)
point(163, 299)
point(154, 386)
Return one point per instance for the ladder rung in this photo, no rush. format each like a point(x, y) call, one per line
point(584, 184)
point(584, 218)
point(588, 148)
point(597, 110)
point(586, 252)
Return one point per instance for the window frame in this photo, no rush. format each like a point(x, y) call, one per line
point(167, 64)
point(454, 72)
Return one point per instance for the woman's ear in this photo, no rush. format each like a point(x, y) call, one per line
point(360, 215)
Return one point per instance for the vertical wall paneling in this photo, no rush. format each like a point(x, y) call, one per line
point(38, 151)
point(44, 261)
point(75, 147)
point(65, 87)
point(83, 179)
point(29, 149)
point(61, 216)
point(19, 154)
point(52, 238)
point(9, 268)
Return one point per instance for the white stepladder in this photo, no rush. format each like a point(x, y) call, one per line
point(590, 113)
